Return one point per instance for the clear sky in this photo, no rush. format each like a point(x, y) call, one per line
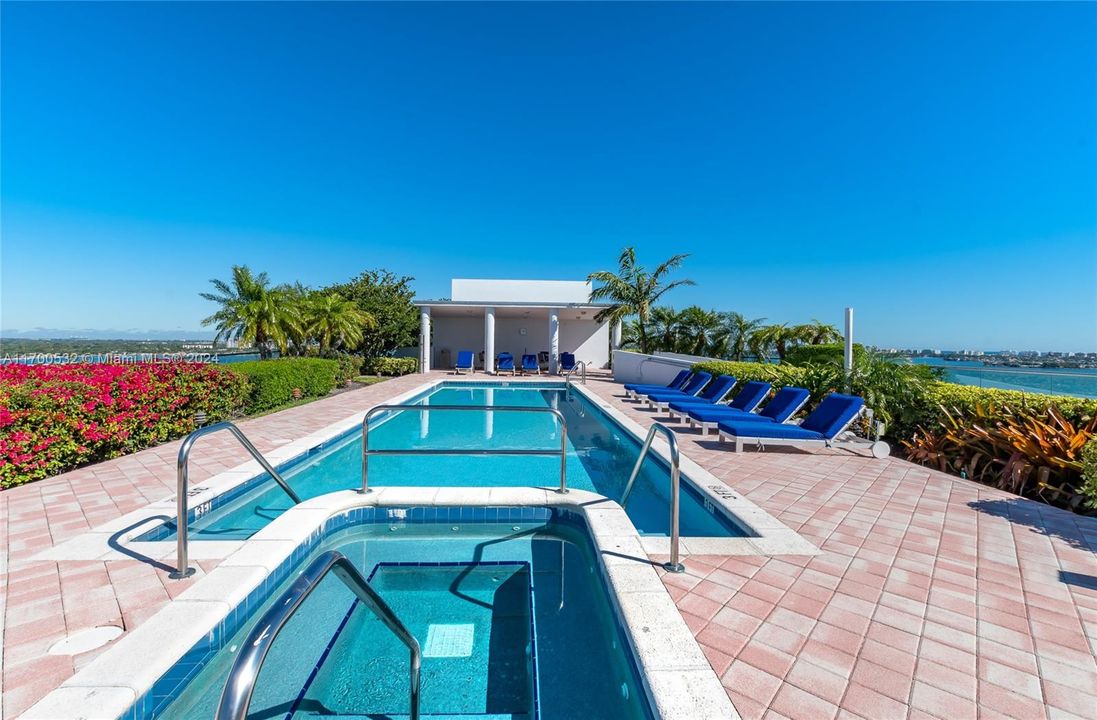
point(933, 165)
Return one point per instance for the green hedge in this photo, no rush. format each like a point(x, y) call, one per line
point(966, 398)
point(390, 366)
point(826, 353)
point(778, 375)
point(273, 381)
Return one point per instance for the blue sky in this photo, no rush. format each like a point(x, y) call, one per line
point(934, 165)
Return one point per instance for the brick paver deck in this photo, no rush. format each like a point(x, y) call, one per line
point(933, 597)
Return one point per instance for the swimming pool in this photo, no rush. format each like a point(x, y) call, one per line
point(511, 612)
point(600, 458)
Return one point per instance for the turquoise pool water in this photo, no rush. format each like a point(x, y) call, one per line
point(600, 458)
point(513, 620)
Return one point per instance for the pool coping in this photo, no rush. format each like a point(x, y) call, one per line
point(766, 534)
point(677, 677)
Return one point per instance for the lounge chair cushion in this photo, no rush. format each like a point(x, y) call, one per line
point(833, 414)
point(773, 430)
point(750, 396)
point(717, 413)
point(785, 403)
point(678, 381)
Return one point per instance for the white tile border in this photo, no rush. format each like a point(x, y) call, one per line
point(677, 677)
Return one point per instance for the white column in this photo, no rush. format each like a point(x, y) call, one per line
point(615, 335)
point(489, 340)
point(554, 341)
point(424, 339)
point(848, 360)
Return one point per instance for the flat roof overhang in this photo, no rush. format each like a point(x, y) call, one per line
point(465, 308)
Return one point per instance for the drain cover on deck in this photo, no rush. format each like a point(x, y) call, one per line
point(449, 641)
point(85, 640)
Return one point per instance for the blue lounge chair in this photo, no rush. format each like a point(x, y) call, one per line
point(696, 383)
point(746, 400)
point(713, 393)
point(464, 362)
point(567, 362)
point(634, 390)
point(530, 364)
point(822, 426)
point(505, 364)
point(786, 403)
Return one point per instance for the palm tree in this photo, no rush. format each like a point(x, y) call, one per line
point(739, 330)
point(776, 337)
point(252, 312)
point(818, 333)
point(663, 328)
point(337, 322)
point(632, 290)
point(702, 332)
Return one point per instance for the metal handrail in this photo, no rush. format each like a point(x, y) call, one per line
point(562, 452)
point(569, 373)
point(182, 480)
point(675, 478)
point(236, 697)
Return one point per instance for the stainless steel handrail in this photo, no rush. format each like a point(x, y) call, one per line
point(569, 373)
point(582, 376)
point(562, 452)
point(182, 480)
point(675, 478)
point(240, 686)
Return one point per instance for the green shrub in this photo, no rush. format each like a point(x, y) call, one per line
point(821, 354)
point(350, 367)
point(390, 366)
point(273, 381)
point(1089, 473)
point(777, 375)
point(966, 398)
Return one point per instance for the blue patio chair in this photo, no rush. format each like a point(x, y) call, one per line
point(634, 390)
point(713, 393)
point(505, 364)
point(822, 426)
point(464, 362)
point(567, 362)
point(785, 404)
point(530, 364)
point(696, 383)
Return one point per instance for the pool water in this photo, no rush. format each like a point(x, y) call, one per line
point(514, 622)
point(600, 458)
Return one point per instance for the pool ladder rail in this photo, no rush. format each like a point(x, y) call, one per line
point(675, 564)
point(367, 452)
point(240, 686)
point(182, 569)
point(569, 373)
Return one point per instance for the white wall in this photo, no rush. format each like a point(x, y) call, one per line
point(509, 337)
point(531, 291)
point(587, 340)
point(631, 367)
point(455, 334)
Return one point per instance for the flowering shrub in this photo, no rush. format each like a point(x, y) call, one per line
point(56, 417)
